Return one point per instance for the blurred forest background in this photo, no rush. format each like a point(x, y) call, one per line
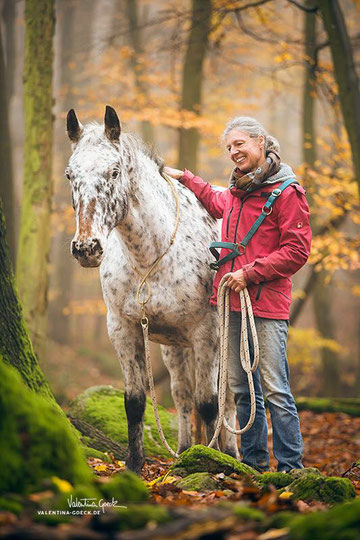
point(176, 71)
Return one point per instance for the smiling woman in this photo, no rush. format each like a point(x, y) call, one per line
point(264, 263)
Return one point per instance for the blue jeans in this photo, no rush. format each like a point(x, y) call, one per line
point(271, 381)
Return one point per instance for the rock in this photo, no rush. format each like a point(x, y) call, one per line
point(297, 473)
point(248, 514)
point(277, 479)
point(36, 441)
point(103, 408)
point(198, 482)
point(199, 458)
point(313, 487)
point(340, 522)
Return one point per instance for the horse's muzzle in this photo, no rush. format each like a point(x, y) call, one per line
point(88, 253)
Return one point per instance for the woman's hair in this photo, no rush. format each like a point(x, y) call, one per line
point(254, 129)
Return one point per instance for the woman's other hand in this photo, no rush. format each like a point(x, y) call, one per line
point(236, 281)
point(174, 173)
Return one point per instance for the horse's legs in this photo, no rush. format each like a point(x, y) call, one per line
point(205, 346)
point(231, 446)
point(127, 340)
point(177, 362)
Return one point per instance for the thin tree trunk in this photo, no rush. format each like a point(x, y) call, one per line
point(193, 80)
point(136, 41)
point(15, 345)
point(322, 297)
point(34, 242)
point(345, 73)
point(6, 176)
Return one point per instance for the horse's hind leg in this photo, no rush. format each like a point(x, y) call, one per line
point(205, 346)
point(128, 343)
point(176, 360)
point(231, 446)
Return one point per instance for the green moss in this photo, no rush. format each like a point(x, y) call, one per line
point(248, 514)
point(103, 407)
point(340, 523)
point(10, 505)
point(280, 520)
point(329, 490)
point(91, 452)
point(125, 487)
point(199, 458)
point(132, 517)
point(277, 479)
point(36, 441)
point(198, 482)
point(349, 406)
point(298, 473)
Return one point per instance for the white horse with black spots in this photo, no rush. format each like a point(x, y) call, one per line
point(125, 216)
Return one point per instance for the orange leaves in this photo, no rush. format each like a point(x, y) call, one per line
point(85, 307)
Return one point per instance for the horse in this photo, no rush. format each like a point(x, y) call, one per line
point(125, 216)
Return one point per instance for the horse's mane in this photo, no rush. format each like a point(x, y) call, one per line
point(94, 134)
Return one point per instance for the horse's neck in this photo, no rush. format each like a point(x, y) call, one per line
point(148, 226)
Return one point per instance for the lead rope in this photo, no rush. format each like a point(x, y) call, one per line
point(224, 309)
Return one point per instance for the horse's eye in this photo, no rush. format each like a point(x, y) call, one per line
point(67, 174)
point(115, 174)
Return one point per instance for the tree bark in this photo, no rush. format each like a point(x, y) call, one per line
point(193, 79)
point(345, 74)
point(15, 345)
point(34, 241)
point(6, 176)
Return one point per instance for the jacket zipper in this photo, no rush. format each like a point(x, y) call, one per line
point(228, 222)
point(259, 291)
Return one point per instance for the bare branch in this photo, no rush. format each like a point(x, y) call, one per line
point(304, 8)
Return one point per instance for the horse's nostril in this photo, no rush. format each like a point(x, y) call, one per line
point(90, 248)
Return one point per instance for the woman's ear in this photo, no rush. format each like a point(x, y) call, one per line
point(261, 141)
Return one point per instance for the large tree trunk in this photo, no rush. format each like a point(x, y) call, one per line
point(6, 176)
point(15, 345)
point(322, 297)
point(193, 79)
point(345, 74)
point(34, 242)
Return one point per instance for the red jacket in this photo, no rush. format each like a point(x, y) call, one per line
point(278, 249)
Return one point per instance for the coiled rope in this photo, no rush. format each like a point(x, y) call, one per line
point(224, 314)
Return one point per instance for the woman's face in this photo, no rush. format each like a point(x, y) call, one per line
point(246, 152)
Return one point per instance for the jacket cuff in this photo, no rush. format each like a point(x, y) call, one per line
point(250, 273)
point(188, 175)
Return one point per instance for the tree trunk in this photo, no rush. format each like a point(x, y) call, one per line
point(136, 44)
point(345, 74)
point(15, 345)
point(34, 241)
point(6, 176)
point(193, 79)
point(322, 297)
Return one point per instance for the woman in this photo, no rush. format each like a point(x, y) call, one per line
point(278, 249)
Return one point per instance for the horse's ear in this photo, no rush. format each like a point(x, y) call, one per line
point(73, 126)
point(112, 124)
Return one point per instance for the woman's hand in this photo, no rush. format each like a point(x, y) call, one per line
point(236, 281)
point(174, 173)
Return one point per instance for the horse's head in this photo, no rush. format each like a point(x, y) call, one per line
point(99, 185)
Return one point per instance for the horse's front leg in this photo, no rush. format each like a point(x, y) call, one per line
point(128, 343)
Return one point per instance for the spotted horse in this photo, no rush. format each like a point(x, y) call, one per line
point(125, 215)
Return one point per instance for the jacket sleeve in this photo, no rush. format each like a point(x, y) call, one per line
point(295, 240)
point(212, 199)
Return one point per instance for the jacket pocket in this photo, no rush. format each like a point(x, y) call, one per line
point(279, 292)
point(259, 291)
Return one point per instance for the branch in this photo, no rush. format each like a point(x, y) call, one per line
point(304, 8)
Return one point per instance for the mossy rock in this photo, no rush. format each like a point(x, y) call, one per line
point(298, 473)
point(280, 520)
point(125, 487)
point(10, 504)
point(103, 407)
point(91, 452)
point(320, 488)
point(349, 406)
point(339, 523)
point(132, 517)
point(246, 513)
point(277, 479)
point(36, 441)
point(199, 458)
point(202, 481)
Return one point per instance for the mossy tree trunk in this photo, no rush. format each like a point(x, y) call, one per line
point(15, 345)
point(6, 176)
point(136, 42)
point(322, 296)
point(345, 74)
point(34, 241)
point(193, 79)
